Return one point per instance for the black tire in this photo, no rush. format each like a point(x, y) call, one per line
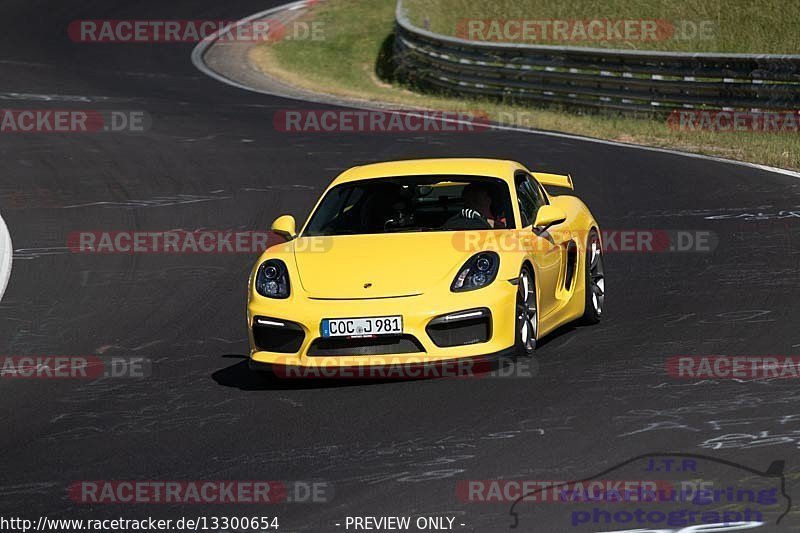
point(526, 322)
point(594, 280)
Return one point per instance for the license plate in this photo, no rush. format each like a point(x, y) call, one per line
point(362, 327)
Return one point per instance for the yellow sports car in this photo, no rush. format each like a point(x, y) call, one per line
point(435, 260)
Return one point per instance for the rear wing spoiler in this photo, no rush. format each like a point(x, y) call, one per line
point(554, 180)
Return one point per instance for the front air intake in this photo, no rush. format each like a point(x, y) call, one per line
point(462, 328)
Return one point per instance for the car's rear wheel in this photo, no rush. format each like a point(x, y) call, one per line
point(595, 281)
point(527, 319)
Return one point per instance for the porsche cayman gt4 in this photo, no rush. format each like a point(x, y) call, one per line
point(430, 260)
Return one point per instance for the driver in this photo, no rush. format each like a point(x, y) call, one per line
point(477, 211)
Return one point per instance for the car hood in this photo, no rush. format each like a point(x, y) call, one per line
point(377, 266)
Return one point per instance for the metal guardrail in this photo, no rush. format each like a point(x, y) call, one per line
point(622, 80)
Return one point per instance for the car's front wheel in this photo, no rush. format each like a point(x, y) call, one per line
point(527, 319)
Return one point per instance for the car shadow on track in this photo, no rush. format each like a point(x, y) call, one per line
point(556, 334)
point(240, 376)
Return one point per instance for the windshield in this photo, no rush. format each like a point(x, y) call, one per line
point(416, 203)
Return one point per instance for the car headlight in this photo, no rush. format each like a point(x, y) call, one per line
point(479, 271)
point(272, 279)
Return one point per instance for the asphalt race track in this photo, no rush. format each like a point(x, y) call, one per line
point(212, 159)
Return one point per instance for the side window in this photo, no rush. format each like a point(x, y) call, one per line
point(352, 199)
point(530, 197)
point(540, 194)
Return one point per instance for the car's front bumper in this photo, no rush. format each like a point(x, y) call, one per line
point(306, 314)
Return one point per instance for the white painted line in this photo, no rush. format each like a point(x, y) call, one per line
point(199, 51)
point(6, 252)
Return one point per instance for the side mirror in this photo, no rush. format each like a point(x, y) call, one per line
point(285, 227)
point(547, 216)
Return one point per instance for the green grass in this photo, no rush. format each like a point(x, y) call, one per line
point(344, 64)
point(746, 26)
